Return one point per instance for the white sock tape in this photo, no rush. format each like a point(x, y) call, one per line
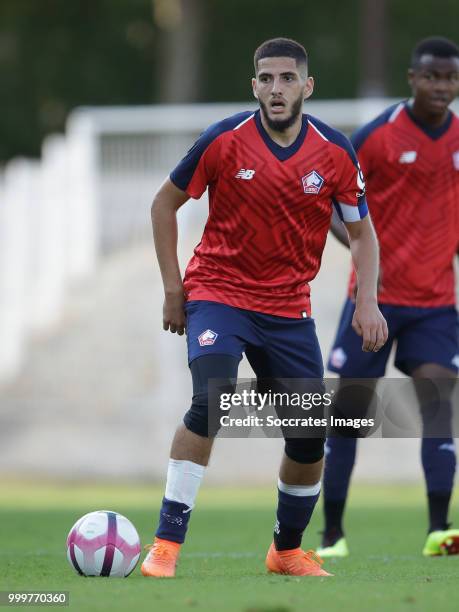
point(299, 490)
point(183, 481)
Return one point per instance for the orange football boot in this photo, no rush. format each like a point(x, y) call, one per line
point(294, 562)
point(161, 559)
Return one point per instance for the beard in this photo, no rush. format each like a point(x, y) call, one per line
point(280, 125)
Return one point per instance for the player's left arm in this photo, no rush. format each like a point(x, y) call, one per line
point(368, 321)
point(350, 203)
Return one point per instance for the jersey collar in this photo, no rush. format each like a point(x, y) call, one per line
point(433, 133)
point(282, 153)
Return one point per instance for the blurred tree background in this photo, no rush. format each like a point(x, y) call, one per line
point(59, 54)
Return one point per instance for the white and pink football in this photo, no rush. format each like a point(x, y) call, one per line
point(103, 543)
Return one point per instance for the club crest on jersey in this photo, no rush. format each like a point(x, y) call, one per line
point(207, 338)
point(312, 182)
point(456, 159)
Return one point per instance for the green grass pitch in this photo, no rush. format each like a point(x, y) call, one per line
point(222, 563)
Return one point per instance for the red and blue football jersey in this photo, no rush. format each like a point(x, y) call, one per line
point(412, 179)
point(269, 211)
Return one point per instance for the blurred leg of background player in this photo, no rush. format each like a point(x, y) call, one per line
point(348, 360)
point(420, 333)
point(438, 453)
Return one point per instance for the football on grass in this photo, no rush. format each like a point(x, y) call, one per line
point(103, 543)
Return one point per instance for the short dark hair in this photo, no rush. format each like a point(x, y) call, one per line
point(438, 46)
point(281, 47)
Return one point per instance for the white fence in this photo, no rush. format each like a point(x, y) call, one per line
point(90, 194)
point(48, 237)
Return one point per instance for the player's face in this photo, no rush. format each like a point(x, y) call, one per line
point(434, 83)
point(281, 87)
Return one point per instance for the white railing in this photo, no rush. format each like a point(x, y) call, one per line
point(90, 194)
point(48, 237)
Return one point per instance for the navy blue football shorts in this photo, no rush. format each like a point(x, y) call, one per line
point(276, 347)
point(422, 335)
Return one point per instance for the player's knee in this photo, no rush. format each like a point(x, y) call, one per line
point(304, 450)
point(197, 417)
point(204, 368)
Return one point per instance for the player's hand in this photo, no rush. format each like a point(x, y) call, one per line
point(174, 312)
point(369, 323)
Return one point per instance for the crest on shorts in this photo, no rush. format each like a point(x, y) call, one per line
point(312, 182)
point(338, 358)
point(207, 338)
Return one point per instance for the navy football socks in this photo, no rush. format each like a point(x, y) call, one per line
point(438, 510)
point(339, 462)
point(439, 463)
point(293, 515)
point(173, 521)
point(333, 512)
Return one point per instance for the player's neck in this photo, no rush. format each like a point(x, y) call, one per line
point(428, 119)
point(288, 136)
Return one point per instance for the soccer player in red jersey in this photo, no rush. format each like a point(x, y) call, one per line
point(273, 177)
point(410, 158)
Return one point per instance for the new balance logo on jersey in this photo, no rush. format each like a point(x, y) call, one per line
point(456, 159)
point(312, 182)
point(207, 338)
point(455, 361)
point(408, 157)
point(247, 175)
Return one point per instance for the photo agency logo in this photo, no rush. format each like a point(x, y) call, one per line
point(310, 408)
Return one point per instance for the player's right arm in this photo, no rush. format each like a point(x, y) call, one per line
point(164, 220)
point(189, 179)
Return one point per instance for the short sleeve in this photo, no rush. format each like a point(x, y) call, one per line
point(349, 194)
point(199, 167)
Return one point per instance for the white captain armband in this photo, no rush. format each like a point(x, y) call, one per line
point(349, 214)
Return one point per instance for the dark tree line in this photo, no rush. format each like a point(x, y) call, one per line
point(59, 54)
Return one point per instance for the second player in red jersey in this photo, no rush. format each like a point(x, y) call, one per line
point(410, 156)
point(418, 231)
